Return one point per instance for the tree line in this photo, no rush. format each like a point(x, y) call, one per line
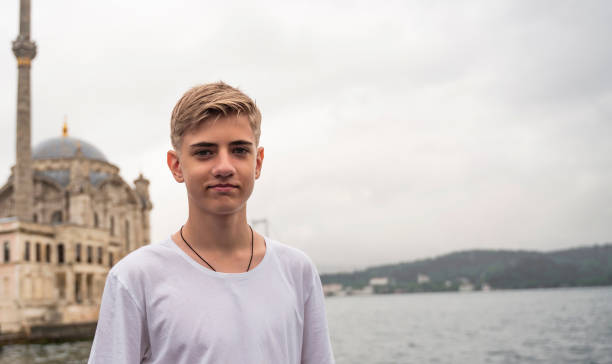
point(497, 269)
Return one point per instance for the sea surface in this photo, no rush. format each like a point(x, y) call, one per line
point(571, 325)
point(522, 326)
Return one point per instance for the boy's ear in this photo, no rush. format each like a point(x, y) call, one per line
point(174, 164)
point(259, 162)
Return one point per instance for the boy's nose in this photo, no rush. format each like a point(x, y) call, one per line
point(224, 167)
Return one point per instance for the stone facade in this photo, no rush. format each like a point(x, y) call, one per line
point(66, 216)
point(53, 267)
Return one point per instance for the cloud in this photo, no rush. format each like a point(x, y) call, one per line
point(392, 132)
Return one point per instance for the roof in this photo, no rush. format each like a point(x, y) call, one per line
point(66, 147)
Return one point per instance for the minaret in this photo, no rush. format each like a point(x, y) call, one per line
point(25, 50)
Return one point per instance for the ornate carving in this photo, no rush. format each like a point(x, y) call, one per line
point(24, 48)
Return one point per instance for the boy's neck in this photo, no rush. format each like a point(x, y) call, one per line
point(224, 233)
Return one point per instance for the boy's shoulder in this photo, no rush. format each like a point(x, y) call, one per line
point(289, 254)
point(288, 251)
point(143, 260)
point(293, 260)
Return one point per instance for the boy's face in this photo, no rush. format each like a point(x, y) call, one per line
point(219, 163)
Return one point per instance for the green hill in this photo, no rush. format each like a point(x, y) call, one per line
point(499, 269)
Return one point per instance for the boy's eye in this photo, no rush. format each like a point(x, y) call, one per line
point(203, 153)
point(241, 150)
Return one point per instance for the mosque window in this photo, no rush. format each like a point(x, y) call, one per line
point(7, 251)
point(38, 252)
point(60, 253)
point(26, 252)
point(89, 254)
point(56, 217)
point(48, 253)
point(77, 253)
point(60, 279)
point(89, 285)
point(77, 288)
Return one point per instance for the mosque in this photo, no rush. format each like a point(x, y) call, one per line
point(66, 216)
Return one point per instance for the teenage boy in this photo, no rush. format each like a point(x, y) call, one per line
point(215, 291)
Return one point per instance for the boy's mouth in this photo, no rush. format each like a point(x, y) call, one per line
point(223, 187)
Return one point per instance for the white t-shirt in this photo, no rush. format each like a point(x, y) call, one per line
point(161, 306)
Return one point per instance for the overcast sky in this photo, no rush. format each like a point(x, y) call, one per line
point(393, 130)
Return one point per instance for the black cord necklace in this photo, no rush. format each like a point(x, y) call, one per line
point(204, 260)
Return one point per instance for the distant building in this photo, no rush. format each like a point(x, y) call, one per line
point(367, 290)
point(465, 285)
point(332, 289)
point(422, 278)
point(379, 281)
point(66, 216)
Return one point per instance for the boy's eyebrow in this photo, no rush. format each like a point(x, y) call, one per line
point(209, 145)
point(241, 142)
point(202, 144)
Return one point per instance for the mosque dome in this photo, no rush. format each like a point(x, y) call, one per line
point(66, 147)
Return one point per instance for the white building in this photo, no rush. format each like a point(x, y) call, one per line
point(379, 281)
point(423, 278)
point(66, 216)
point(332, 289)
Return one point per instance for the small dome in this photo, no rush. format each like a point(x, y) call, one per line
point(65, 147)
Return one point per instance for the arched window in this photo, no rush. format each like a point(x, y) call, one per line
point(60, 253)
point(26, 252)
point(56, 217)
point(60, 279)
point(96, 220)
point(89, 286)
point(38, 252)
point(77, 253)
point(77, 287)
point(7, 252)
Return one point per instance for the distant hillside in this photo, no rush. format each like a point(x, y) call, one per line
point(500, 269)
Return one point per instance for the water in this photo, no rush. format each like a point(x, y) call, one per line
point(65, 353)
point(529, 326)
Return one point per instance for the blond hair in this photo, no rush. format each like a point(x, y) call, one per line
point(210, 102)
